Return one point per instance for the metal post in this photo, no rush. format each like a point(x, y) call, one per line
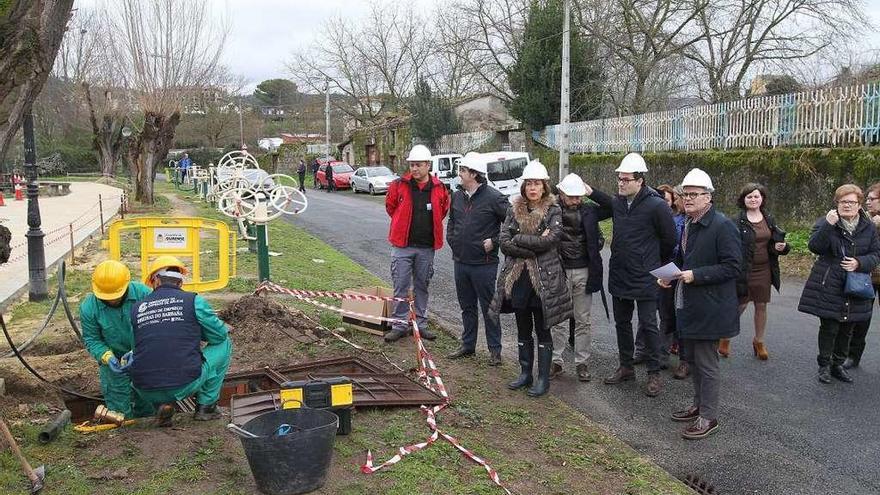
point(101, 213)
point(327, 118)
point(251, 230)
point(72, 247)
point(38, 288)
point(122, 205)
point(262, 251)
point(564, 107)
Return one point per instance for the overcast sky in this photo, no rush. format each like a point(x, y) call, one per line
point(265, 32)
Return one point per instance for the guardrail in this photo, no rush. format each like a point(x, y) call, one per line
point(840, 116)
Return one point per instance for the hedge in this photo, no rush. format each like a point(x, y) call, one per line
point(801, 181)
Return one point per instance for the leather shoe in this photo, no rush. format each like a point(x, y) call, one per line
point(838, 372)
point(582, 373)
point(427, 334)
point(824, 374)
point(655, 385)
point(850, 363)
point(682, 371)
point(700, 428)
point(460, 353)
point(395, 335)
point(688, 414)
point(495, 358)
point(620, 375)
point(555, 370)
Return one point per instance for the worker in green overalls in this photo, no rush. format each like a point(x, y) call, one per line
point(107, 334)
point(169, 364)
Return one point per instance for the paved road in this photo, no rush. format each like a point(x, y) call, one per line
point(782, 432)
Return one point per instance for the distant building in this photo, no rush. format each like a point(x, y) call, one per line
point(302, 138)
point(484, 112)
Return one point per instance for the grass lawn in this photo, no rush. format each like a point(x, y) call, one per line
point(507, 428)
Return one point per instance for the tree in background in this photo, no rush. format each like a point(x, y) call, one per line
point(277, 93)
point(535, 78)
point(30, 35)
point(432, 116)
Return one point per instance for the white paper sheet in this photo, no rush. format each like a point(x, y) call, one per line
point(667, 272)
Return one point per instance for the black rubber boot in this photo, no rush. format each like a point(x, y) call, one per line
point(207, 413)
point(545, 358)
point(526, 360)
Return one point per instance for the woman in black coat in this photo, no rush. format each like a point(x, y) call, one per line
point(845, 241)
point(532, 282)
point(763, 242)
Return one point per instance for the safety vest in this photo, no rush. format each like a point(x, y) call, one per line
point(167, 337)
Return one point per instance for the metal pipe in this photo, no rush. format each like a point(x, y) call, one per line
point(53, 428)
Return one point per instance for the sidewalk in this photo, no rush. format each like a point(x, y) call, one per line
point(79, 208)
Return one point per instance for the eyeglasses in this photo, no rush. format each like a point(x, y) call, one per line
point(848, 203)
point(693, 195)
point(872, 198)
point(625, 180)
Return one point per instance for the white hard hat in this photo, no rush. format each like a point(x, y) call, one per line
point(572, 185)
point(473, 162)
point(698, 178)
point(535, 170)
point(632, 163)
point(419, 153)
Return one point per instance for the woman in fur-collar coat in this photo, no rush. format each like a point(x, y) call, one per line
point(532, 281)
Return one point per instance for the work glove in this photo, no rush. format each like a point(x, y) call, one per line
point(112, 361)
point(126, 360)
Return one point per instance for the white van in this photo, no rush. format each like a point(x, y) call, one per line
point(445, 167)
point(503, 170)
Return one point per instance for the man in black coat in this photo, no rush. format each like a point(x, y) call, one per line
point(706, 304)
point(475, 219)
point(643, 239)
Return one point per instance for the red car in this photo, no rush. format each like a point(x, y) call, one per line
point(341, 175)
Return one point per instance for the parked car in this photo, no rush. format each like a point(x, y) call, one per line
point(445, 167)
point(341, 175)
point(372, 179)
point(504, 169)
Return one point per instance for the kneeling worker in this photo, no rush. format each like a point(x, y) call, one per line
point(169, 326)
point(107, 336)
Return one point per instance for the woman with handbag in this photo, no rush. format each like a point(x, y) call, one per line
point(763, 242)
point(839, 289)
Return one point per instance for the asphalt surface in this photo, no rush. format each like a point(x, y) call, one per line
point(782, 432)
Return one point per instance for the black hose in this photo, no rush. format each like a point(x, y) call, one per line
point(34, 372)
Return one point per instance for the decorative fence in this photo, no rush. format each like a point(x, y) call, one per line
point(840, 116)
point(464, 142)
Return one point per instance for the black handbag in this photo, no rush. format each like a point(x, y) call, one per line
point(858, 284)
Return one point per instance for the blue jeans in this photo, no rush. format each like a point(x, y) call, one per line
point(476, 284)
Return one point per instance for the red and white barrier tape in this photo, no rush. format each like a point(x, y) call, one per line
point(429, 376)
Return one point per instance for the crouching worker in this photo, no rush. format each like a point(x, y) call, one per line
point(169, 364)
point(106, 331)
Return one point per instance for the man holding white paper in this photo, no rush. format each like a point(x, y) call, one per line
point(644, 238)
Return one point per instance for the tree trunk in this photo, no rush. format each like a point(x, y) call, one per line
point(151, 148)
point(30, 35)
point(106, 137)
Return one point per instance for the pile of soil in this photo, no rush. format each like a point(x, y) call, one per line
point(263, 331)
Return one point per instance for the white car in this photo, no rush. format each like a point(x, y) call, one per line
point(372, 179)
point(504, 170)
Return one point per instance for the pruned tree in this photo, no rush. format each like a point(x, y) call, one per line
point(740, 35)
point(30, 35)
point(166, 53)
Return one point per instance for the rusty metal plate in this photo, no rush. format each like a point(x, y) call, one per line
point(245, 382)
point(243, 408)
point(338, 366)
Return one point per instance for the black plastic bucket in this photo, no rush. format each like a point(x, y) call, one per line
point(296, 462)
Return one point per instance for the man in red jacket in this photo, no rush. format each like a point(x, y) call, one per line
point(416, 203)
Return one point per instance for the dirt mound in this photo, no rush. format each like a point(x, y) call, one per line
point(263, 330)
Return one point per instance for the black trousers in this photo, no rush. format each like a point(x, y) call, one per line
point(529, 320)
point(647, 311)
point(302, 181)
point(834, 339)
point(859, 334)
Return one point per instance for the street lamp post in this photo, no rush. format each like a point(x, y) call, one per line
point(38, 289)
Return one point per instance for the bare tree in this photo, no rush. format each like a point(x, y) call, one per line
point(374, 64)
point(641, 36)
point(166, 52)
point(31, 35)
point(738, 35)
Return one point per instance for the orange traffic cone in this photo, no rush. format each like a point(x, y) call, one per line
point(19, 196)
point(2, 203)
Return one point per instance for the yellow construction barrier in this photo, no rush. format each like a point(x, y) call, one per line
point(181, 237)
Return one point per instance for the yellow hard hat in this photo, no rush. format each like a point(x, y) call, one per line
point(166, 261)
point(110, 280)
